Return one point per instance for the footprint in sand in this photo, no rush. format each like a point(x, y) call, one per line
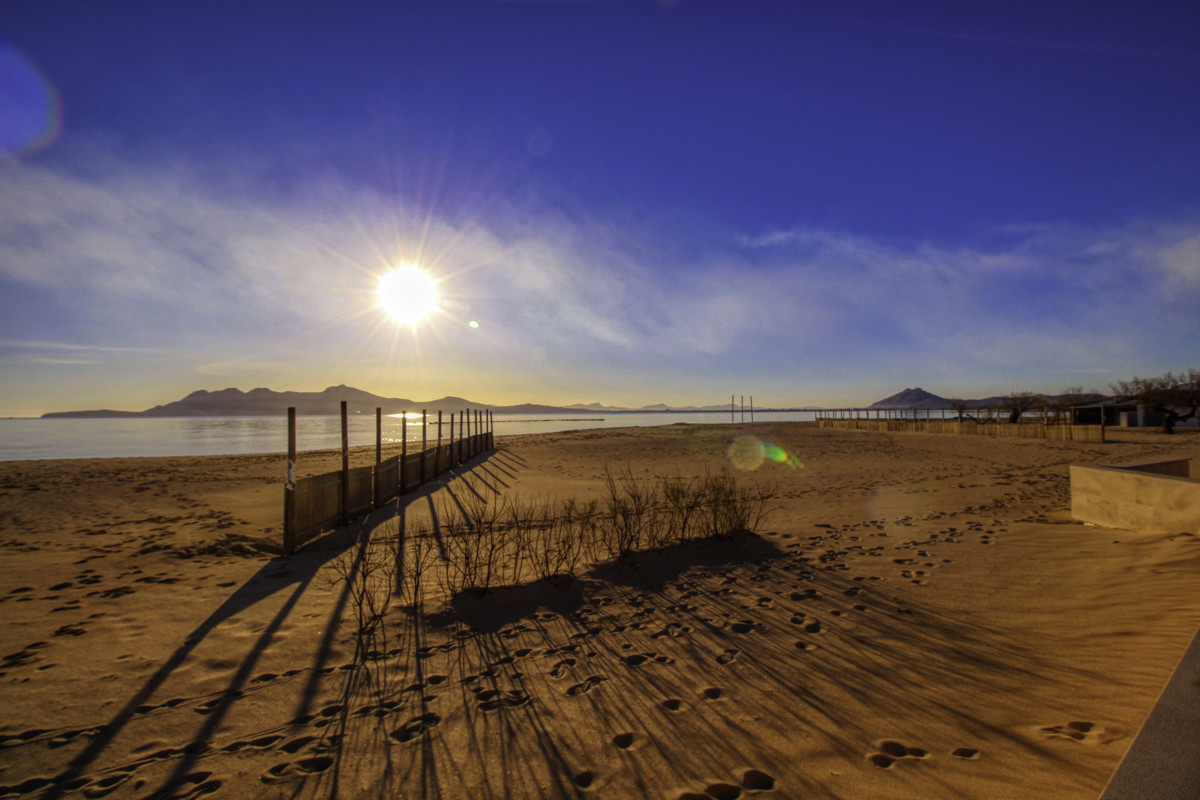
point(673, 630)
point(586, 686)
point(562, 667)
point(298, 744)
point(415, 727)
point(712, 693)
point(674, 704)
point(1075, 731)
point(968, 753)
point(71, 630)
point(755, 780)
point(727, 657)
point(627, 741)
point(102, 787)
point(722, 791)
point(493, 699)
point(66, 737)
point(750, 781)
point(890, 752)
point(261, 743)
point(295, 769)
point(589, 780)
point(638, 659)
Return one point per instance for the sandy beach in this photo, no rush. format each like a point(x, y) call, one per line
point(917, 617)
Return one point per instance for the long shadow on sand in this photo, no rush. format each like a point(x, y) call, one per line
point(646, 570)
point(280, 574)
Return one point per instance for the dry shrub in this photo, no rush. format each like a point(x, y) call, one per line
point(515, 540)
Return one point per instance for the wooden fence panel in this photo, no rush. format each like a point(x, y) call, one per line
point(360, 495)
point(1056, 432)
point(317, 505)
point(387, 480)
point(412, 472)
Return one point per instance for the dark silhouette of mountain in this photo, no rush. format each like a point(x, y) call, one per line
point(919, 398)
point(267, 402)
point(912, 398)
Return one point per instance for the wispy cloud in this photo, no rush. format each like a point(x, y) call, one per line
point(257, 288)
point(73, 346)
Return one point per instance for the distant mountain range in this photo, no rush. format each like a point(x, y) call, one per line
point(919, 398)
point(266, 402)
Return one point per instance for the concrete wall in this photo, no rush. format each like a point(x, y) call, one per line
point(1156, 495)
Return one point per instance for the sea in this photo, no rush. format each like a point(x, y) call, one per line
point(29, 439)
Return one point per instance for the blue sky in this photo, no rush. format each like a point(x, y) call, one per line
point(637, 201)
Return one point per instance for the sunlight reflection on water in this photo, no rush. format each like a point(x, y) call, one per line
point(25, 439)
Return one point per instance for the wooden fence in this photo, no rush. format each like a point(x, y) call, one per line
point(1038, 429)
point(318, 503)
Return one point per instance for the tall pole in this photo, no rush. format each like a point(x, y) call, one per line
point(752, 409)
point(378, 456)
point(345, 466)
point(403, 450)
point(289, 487)
point(437, 454)
point(424, 440)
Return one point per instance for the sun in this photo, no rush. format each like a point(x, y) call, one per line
point(407, 294)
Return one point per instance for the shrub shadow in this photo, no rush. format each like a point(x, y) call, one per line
point(490, 611)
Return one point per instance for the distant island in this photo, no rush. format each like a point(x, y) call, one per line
point(268, 403)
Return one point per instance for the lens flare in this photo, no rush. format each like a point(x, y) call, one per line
point(748, 453)
point(32, 115)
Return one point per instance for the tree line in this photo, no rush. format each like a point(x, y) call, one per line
point(1174, 396)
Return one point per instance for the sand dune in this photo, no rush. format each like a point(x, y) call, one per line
point(918, 617)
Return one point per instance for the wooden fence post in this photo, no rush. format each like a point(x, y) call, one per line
point(345, 501)
point(437, 454)
point(378, 457)
point(289, 488)
point(403, 450)
point(424, 441)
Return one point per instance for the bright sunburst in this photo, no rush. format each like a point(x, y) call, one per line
point(407, 294)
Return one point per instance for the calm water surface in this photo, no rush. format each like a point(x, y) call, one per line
point(24, 439)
